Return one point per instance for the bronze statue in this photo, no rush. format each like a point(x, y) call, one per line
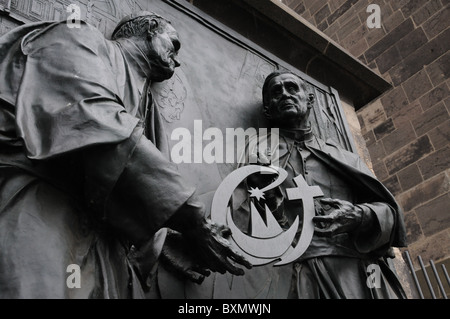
point(84, 179)
point(357, 221)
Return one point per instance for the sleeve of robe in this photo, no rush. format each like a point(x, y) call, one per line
point(68, 103)
point(382, 226)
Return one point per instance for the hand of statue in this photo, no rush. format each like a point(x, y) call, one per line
point(178, 257)
point(344, 217)
point(213, 250)
point(206, 241)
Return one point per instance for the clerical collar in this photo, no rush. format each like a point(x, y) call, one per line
point(131, 50)
point(301, 135)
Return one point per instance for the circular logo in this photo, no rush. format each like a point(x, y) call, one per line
point(267, 242)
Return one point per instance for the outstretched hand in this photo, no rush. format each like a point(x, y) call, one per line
point(213, 250)
point(200, 245)
point(344, 217)
point(177, 257)
point(196, 252)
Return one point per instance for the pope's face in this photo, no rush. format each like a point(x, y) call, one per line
point(287, 99)
point(163, 47)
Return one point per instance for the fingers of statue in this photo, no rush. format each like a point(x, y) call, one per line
point(343, 217)
point(197, 274)
point(203, 271)
point(174, 263)
point(221, 253)
point(333, 223)
point(337, 203)
point(177, 258)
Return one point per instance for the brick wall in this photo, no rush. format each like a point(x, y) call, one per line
point(407, 129)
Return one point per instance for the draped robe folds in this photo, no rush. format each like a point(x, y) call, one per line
point(80, 182)
point(331, 267)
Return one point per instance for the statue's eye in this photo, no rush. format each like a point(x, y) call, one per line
point(276, 91)
point(292, 89)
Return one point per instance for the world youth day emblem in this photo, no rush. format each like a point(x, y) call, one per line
point(267, 242)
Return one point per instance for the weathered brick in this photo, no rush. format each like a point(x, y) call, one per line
point(380, 171)
point(348, 27)
point(299, 8)
point(316, 6)
point(440, 136)
point(338, 12)
point(369, 138)
point(437, 23)
point(371, 115)
point(358, 49)
point(411, 42)
point(409, 177)
point(420, 58)
point(398, 4)
point(361, 57)
point(374, 67)
point(430, 119)
point(377, 152)
point(399, 138)
point(320, 15)
point(417, 85)
point(431, 248)
point(374, 35)
point(323, 25)
point(330, 29)
point(394, 100)
point(434, 216)
point(384, 129)
point(413, 229)
point(290, 3)
point(435, 163)
point(388, 59)
point(357, 7)
point(334, 5)
point(426, 11)
point(439, 70)
point(435, 96)
point(334, 37)
point(429, 189)
point(409, 154)
point(355, 36)
point(389, 40)
point(307, 3)
point(392, 184)
point(407, 114)
point(412, 6)
point(393, 21)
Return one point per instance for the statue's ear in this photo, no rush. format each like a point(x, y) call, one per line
point(266, 112)
point(311, 100)
point(153, 25)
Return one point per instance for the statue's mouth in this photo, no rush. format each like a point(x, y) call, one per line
point(287, 105)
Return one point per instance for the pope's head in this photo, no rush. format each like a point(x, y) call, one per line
point(286, 103)
point(156, 38)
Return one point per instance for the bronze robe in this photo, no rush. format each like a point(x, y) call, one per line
point(80, 182)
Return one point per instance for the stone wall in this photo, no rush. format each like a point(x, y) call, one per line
point(406, 130)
